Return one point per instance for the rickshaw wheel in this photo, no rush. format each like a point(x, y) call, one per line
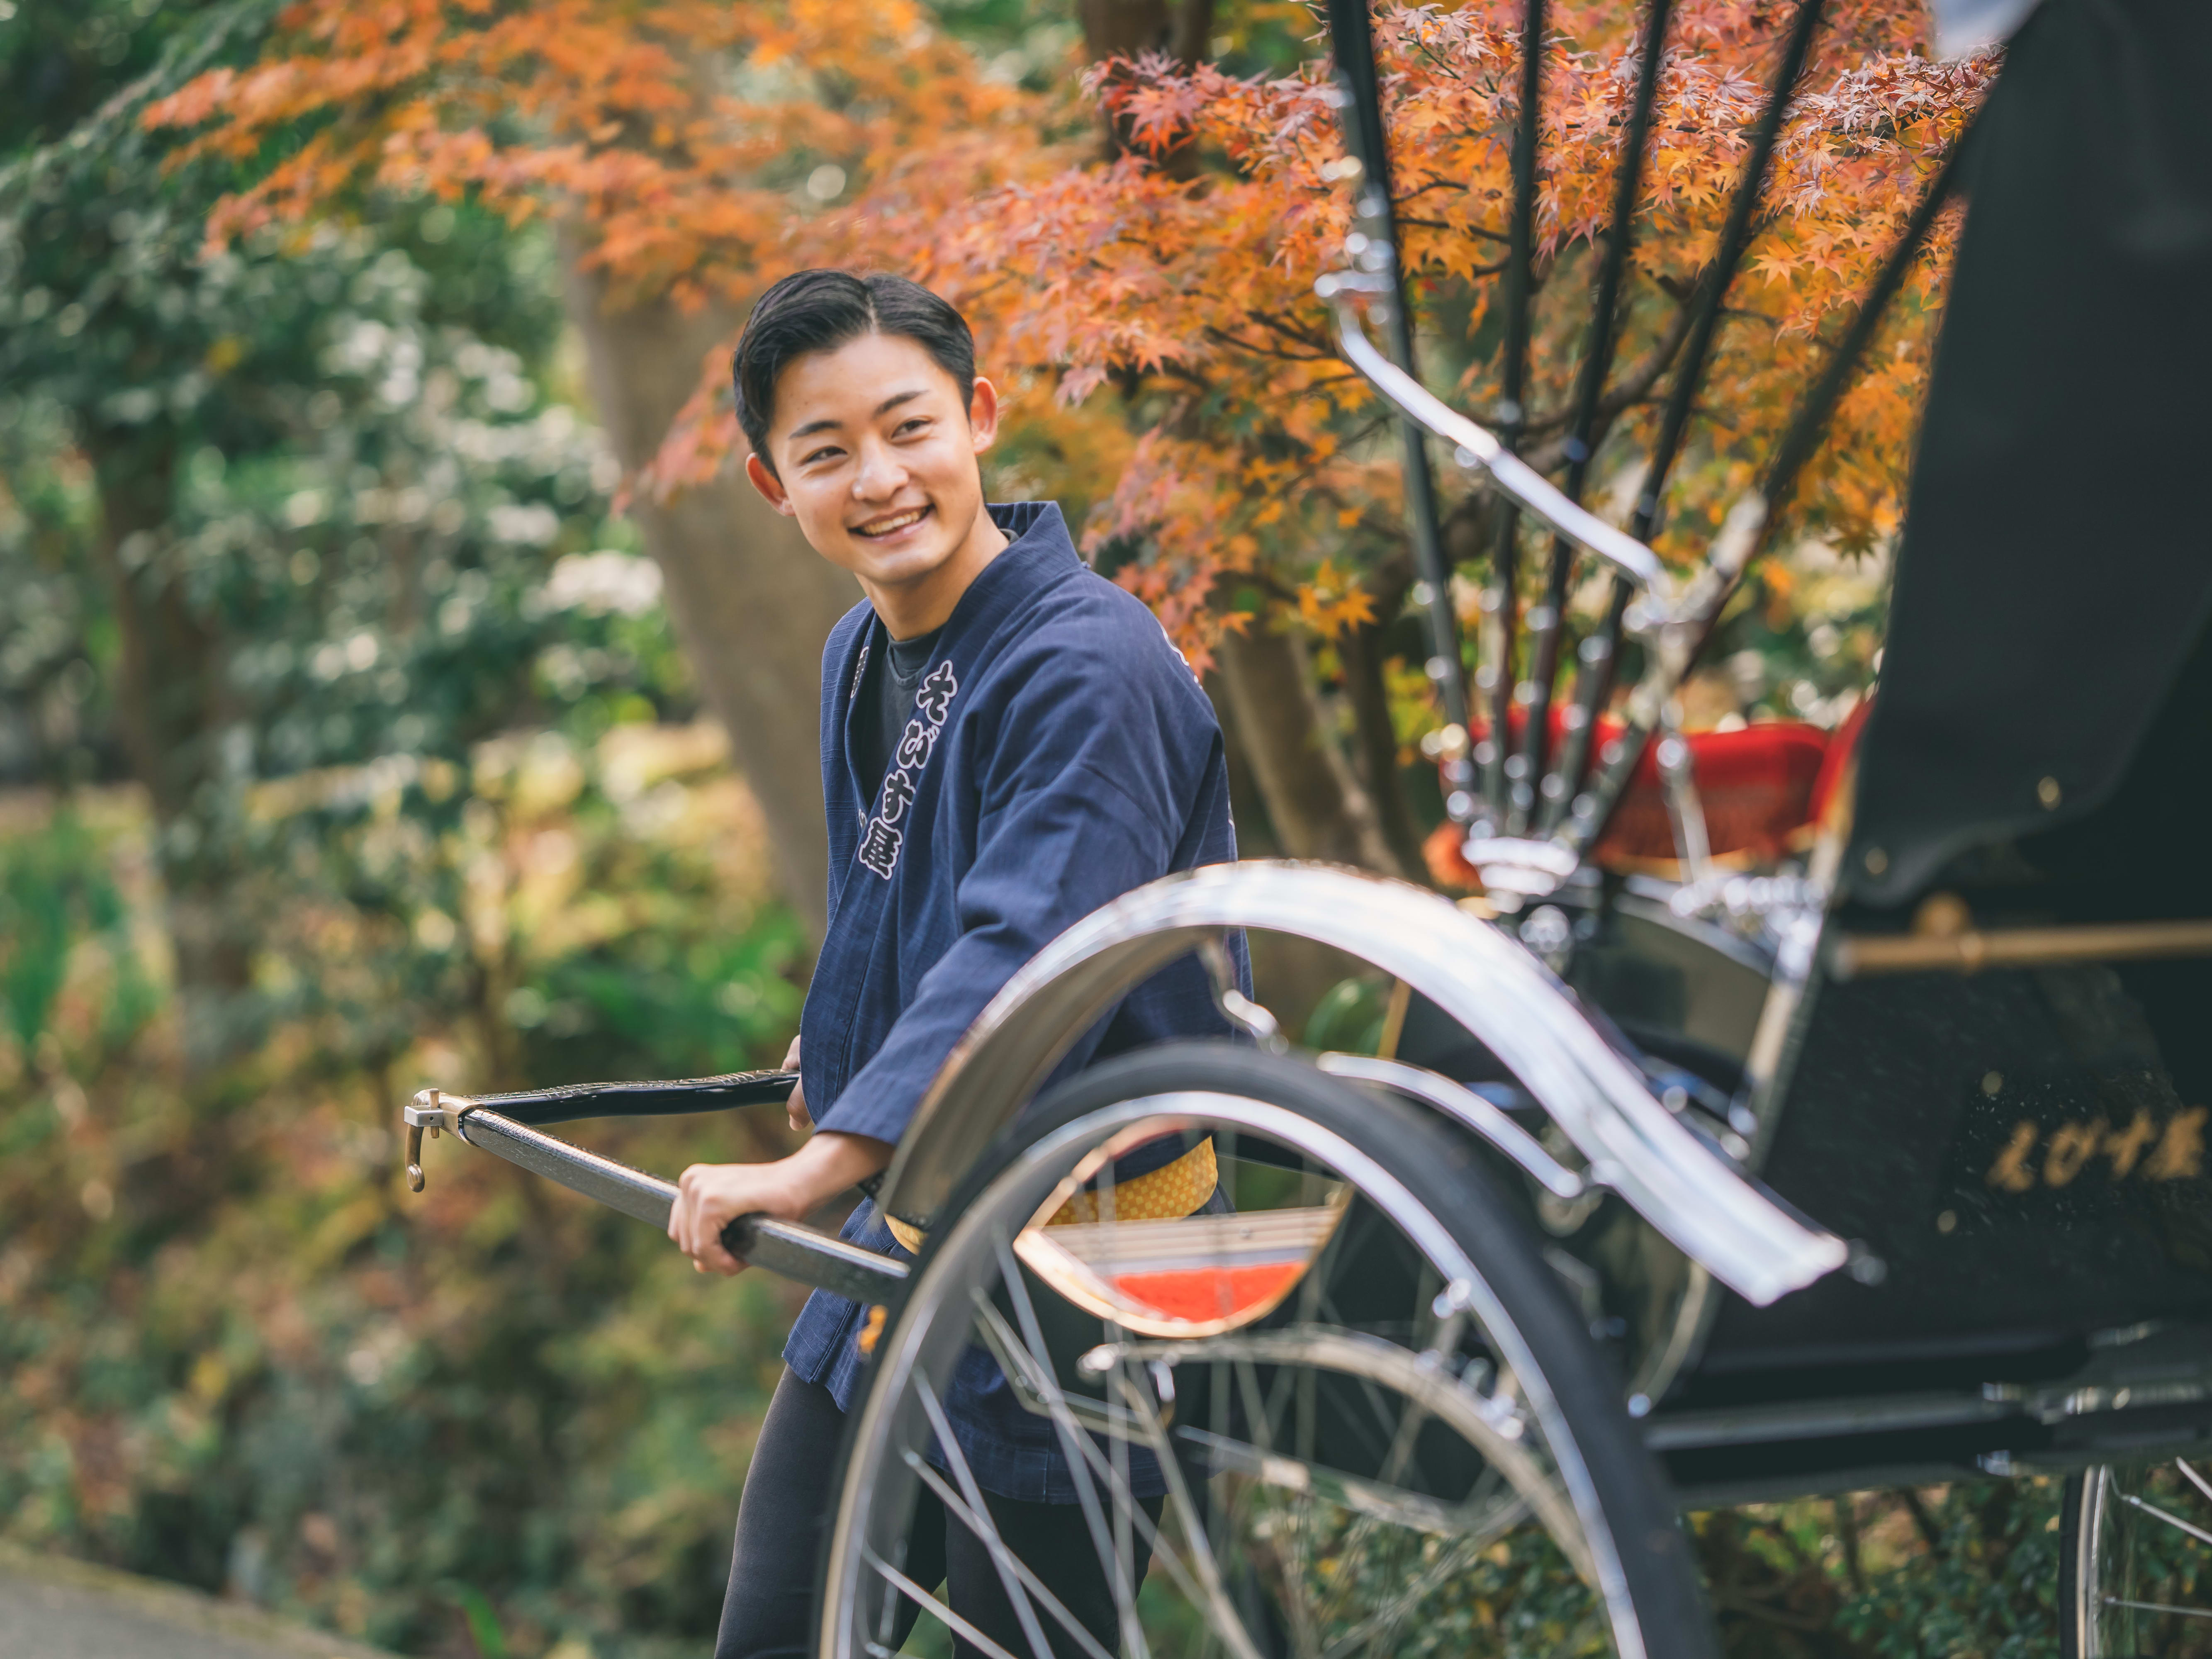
point(1366, 1414)
point(2135, 1573)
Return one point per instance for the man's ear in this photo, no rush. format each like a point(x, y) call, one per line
point(770, 487)
point(983, 414)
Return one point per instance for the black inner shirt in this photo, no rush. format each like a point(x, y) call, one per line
point(887, 691)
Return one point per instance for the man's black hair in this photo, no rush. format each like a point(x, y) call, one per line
point(821, 310)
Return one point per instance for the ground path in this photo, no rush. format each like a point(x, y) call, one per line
point(55, 1609)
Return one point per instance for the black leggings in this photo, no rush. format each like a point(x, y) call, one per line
point(767, 1613)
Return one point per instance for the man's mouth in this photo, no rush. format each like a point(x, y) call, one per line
point(891, 523)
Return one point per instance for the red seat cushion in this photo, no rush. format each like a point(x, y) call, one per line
point(1758, 786)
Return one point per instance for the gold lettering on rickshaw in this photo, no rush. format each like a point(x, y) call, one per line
point(2177, 1155)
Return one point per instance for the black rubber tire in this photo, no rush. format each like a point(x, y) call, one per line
point(1441, 1167)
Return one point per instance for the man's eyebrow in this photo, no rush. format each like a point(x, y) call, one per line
point(881, 410)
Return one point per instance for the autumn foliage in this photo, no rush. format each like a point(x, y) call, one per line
point(673, 137)
point(1157, 309)
point(1260, 454)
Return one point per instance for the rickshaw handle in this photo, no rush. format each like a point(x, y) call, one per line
point(793, 1252)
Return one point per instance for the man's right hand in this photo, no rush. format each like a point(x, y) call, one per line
point(795, 1107)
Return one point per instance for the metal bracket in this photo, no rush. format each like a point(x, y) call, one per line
point(1256, 1020)
point(433, 1110)
point(1467, 1109)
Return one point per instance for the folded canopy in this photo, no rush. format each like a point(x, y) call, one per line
point(2055, 571)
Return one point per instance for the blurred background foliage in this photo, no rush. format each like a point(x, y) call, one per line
point(346, 743)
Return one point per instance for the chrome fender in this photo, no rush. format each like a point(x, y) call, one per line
point(1742, 1234)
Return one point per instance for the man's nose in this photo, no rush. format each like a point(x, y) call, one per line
point(879, 475)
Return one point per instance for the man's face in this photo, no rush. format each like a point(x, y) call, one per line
point(875, 456)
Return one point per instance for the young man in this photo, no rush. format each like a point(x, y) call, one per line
point(1008, 742)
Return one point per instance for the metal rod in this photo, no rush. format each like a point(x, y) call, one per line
point(1505, 799)
point(1478, 448)
point(782, 1246)
point(1728, 561)
point(1377, 255)
point(1581, 438)
point(1467, 1107)
point(1855, 956)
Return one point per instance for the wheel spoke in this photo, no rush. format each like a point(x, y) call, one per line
point(1095, 1462)
point(2174, 1521)
point(974, 1512)
point(1223, 1619)
point(1075, 1446)
point(2194, 1479)
point(2158, 1606)
point(1384, 1620)
point(957, 1507)
point(1412, 1415)
point(1415, 1511)
point(929, 1603)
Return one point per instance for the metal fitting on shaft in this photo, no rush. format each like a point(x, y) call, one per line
point(433, 1110)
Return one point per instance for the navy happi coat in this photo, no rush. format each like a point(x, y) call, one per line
point(1059, 753)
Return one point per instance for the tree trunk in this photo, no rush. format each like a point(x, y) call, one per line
point(1363, 650)
point(1317, 808)
point(752, 603)
point(169, 708)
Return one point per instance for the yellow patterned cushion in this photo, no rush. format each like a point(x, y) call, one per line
point(1167, 1194)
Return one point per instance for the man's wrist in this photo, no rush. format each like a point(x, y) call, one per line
point(830, 1163)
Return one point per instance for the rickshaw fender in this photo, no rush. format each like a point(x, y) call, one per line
point(1746, 1236)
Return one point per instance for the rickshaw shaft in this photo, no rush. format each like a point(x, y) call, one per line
point(783, 1247)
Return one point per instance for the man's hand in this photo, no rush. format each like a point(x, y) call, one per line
point(710, 1196)
point(795, 1107)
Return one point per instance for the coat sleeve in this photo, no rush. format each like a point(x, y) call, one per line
point(1087, 780)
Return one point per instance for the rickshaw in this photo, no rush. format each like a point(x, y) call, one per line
point(1871, 1164)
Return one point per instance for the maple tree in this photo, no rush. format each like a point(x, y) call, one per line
point(1260, 455)
point(1264, 485)
point(671, 145)
point(1154, 310)
point(677, 134)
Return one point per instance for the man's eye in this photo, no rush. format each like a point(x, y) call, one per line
point(828, 452)
point(906, 427)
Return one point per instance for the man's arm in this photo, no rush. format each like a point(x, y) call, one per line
point(1086, 777)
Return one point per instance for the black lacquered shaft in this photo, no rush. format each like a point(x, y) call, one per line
point(1595, 685)
point(1713, 284)
point(1589, 389)
point(1507, 793)
point(699, 1094)
point(1354, 44)
point(1803, 436)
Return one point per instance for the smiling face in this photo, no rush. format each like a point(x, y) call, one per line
point(875, 448)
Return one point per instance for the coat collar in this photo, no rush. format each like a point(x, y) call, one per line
point(1039, 554)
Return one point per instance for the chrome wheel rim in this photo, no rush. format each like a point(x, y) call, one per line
point(1265, 1545)
point(2144, 1562)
